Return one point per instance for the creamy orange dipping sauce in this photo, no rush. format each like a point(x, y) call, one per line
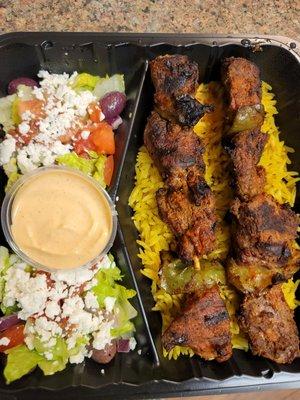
point(60, 219)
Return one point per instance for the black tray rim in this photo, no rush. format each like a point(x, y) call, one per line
point(145, 38)
point(166, 388)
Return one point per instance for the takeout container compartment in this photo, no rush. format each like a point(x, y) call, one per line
point(150, 375)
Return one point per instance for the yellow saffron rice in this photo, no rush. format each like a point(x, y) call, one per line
point(155, 235)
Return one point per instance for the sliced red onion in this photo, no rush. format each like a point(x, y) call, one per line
point(13, 85)
point(115, 122)
point(123, 346)
point(8, 321)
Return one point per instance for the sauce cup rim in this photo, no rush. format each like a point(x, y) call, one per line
point(6, 216)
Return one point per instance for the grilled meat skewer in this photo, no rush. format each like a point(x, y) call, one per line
point(175, 79)
point(263, 231)
point(243, 139)
point(186, 203)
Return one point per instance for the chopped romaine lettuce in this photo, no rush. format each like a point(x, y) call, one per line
point(6, 112)
point(93, 167)
point(20, 361)
point(109, 84)
point(11, 170)
point(6, 261)
point(25, 92)
point(123, 310)
point(99, 169)
point(122, 330)
point(50, 367)
point(85, 81)
point(4, 265)
point(15, 112)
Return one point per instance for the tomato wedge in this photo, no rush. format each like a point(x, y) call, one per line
point(108, 169)
point(82, 146)
point(94, 112)
point(15, 335)
point(103, 139)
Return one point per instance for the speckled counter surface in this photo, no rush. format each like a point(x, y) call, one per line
point(277, 17)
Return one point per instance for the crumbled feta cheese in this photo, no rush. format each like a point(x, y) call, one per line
point(4, 341)
point(52, 309)
point(47, 299)
point(85, 134)
point(24, 128)
point(75, 277)
point(48, 355)
point(35, 155)
point(104, 263)
point(63, 110)
point(29, 292)
point(46, 329)
point(7, 148)
point(64, 106)
point(139, 352)
point(109, 303)
point(29, 340)
point(71, 341)
point(132, 343)
point(102, 371)
point(27, 116)
point(102, 337)
point(77, 359)
point(91, 301)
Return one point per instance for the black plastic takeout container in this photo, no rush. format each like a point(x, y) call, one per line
point(150, 375)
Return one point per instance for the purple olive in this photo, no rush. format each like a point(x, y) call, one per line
point(13, 85)
point(106, 355)
point(112, 104)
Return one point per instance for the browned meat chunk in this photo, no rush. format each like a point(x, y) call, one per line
point(241, 79)
point(204, 326)
point(175, 78)
point(263, 231)
point(176, 151)
point(186, 204)
point(193, 225)
point(245, 149)
point(269, 323)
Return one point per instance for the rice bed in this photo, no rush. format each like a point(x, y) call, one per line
point(156, 236)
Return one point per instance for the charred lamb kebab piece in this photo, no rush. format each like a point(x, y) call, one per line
point(176, 78)
point(270, 325)
point(263, 231)
point(186, 202)
point(204, 326)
